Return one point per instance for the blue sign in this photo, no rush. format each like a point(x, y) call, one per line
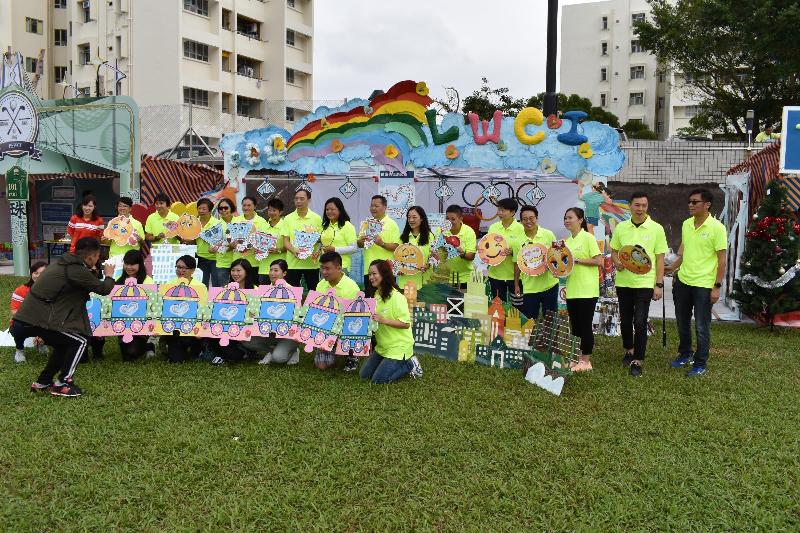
point(55, 213)
point(790, 141)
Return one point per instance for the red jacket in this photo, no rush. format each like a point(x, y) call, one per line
point(78, 228)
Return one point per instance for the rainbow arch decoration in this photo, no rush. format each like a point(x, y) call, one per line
point(228, 314)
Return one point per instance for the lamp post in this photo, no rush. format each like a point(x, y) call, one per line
point(748, 122)
point(550, 98)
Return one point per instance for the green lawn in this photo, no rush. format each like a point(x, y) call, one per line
point(154, 446)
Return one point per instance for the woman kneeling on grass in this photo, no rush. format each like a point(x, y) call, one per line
point(393, 354)
point(243, 273)
point(133, 267)
point(284, 350)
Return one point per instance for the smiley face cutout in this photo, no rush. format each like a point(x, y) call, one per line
point(634, 258)
point(493, 249)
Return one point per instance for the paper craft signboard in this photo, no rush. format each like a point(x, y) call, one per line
point(262, 244)
point(180, 308)
point(408, 259)
point(214, 236)
point(277, 306)
point(305, 241)
point(438, 222)
point(165, 256)
point(493, 249)
point(128, 310)
point(228, 314)
point(239, 233)
point(532, 259)
point(357, 326)
point(94, 308)
point(634, 258)
point(320, 321)
point(447, 245)
point(187, 227)
point(121, 231)
point(559, 260)
point(370, 229)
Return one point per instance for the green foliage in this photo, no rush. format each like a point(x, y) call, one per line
point(577, 102)
point(636, 129)
point(772, 246)
point(737, 55)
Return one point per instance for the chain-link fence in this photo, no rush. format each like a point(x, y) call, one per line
point(162, 127)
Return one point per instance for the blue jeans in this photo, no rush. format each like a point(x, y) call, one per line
point(687, 299)
point(208, 266)
point(382, 370)
point(546, 300)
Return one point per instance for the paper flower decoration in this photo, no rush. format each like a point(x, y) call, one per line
point(422, 88)
point(548, 165)
point(253, 154)
point(391, 151)
point(324, 124)
point(451, 152)
point(275, 148)
point(585, 150)
point(553, 122)
point(311, 178)
point(234, 158)
point(337, 146)
point(278, 143)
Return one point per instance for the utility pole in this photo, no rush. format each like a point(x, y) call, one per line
point(550, 98)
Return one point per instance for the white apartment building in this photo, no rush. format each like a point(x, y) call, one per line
point(237, 63)
point(603, 60)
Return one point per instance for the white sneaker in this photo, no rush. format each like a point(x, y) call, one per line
point(42, 348)
point(19, 356)
point(295, 358)
point(267, 359)
point(218, 361)
point(416, 368)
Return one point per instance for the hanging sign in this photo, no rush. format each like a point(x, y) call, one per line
point(17, 184)
point(19, 126)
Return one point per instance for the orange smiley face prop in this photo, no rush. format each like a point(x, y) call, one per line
point(532, 259)
point(409, 258)
point(120, 230)
point(634, 258)
point(493, 249)
point(559, 260)
point(189, 227)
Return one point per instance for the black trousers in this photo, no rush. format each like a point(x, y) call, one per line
point(180, 349)
point(501, 288)
point(634, 307)
point(135, 349)
point(581, 313)
point(68, 348)
point(310, 275)
point(21, 331)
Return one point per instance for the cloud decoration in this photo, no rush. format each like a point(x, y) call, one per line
point(392, 132)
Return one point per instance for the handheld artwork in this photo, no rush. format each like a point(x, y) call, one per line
point(239, 232)
point(121, 231)
point(532, 259)
point(559, 260)
point(189, 227)
point(164, 257)
point(180, 308)
point(129, 310)
point(408, 259)
point(445, 245)
point(214, 236)
point(634, 258)
point(320, 321)
point(554, 348)
point(305, 241)
point(439, 223)
point(493, 249)
point(278, 305)
point(370, 229)
point(227, 315)
point(357, 326)
point(262, 244)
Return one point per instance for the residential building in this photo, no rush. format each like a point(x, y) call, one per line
point(602, 59)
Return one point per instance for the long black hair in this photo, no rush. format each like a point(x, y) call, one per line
point(388, 281)
point(424, 226)
point(250, 273)
point(343, 216)
point(86, 199)
point(133, 257)
point(580, 214)
point(34, 267)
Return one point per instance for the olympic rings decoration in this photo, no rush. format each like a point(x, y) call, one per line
point(533, 195)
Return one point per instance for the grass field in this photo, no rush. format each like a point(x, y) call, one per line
point(154, 446)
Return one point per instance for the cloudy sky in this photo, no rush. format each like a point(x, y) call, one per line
point(361, 45)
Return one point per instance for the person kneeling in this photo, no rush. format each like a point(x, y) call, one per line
point(278, 350)
point(333, 277)
point(393, 354)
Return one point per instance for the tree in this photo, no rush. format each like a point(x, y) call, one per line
point(772, 250)
point(486, 100)
point(636, 129)
point(735, 56)
point(577, 102)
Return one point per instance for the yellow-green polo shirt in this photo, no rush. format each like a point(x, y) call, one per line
point(155, 225)
point(225, 258)
point(700, 247)
point(394, 343)
point(545, 280)
point(116, 249)
point(390, 234)
point(338, 237)
point(345, 288)
point(650, 236)
point(202, 246)
point(514, 232)
point(469, 244)
point(291, 223)
point(584, 282)
point(276, 230)
point(419, 278)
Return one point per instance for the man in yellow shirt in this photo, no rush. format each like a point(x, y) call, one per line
point(301, 219)
point(333, 277)
point(696, 287)
point(537, 291)
point(501, 277)
point(154, 225)
point(385, 242)
point(767, 135)
point(274, 227)
point(460, 267)
point(634, 290)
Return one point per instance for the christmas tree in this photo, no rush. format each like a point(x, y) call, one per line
point(770, 280)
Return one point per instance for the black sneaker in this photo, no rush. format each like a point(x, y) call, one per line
point(67, 390)
point(627, 360)
point(636, 370)
point(40, 387)
point(350, 364)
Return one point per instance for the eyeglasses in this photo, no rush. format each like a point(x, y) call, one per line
point(181, 267)
point(693, 202)
point(224, 208)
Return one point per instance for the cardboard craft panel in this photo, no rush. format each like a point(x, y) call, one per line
point(128, 310)
point(305, 241)
point(370, 229)
point(238, 233)
point(559, 260)
point(634, 258)
point(408, 259)
point(228, 314)
point(214, 236)
point(357, 328)
point(493, 249)
point(320, 321)
point(532, 259)
point(278, 307)
point(121, 231)
point(187, 227)
point(181, 307)
point(164, 257)
point(262, 244)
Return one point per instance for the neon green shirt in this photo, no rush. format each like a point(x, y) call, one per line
point(700, 247)
point(394, 343)
point(419, 278)
point(338, 237)
point(514, 232)
point(202, 246)
point(277, 230)
point(154, 225)
point(584, 282)
point(390, 234)
point(469, 244)
point(650, 235)
point(225, 258)
point(291, 223)
point(116, 249)
point(544, 281)
point(345, 288)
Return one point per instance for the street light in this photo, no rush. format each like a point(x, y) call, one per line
point(748, 122)
point(550, 99)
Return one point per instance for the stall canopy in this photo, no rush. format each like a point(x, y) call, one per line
point(763, 167)
point(180, 181)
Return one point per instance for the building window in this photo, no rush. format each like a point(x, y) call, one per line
point(637, 17)
point(84, 91)
point(635, 121)
point(84, 54)
point(636, 46)
point(118, 42)
point(289, 75)
point(290, 114)
point(194, 96)
point(661, 101)
point(661, 77)
point(196, 6)
point(247, 107)
point(30, 64)
point(60, 4)
point(61, 38)
point(85, 6)
point(290, 3)
point(60, 74)
point(226, 19)
point(690, 111)
point(636, 99)
point(603, 99)
point(603, 49)
point(226, 102)
point(603, 74)
point(604, 23)
point(34, 25)
point(290, 37)
point(637, 72)
point(195, 50)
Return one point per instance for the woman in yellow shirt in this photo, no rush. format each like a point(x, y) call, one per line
point(133, 267)
point(417, 232)
point(392, 356)
point(583, 284)
point(227, 254)
point(338, 233)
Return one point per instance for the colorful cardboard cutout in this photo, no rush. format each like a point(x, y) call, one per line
point(370, 229)
point(560, 260)
point(532, 259)
point(229, 314)
point(120, 230)
point(408, 259)
point(214, 236)
point(128, 310)
point(320, 321)
point(634, 258)
point(278, 306)
point(305, 241)
point(262, 244)
point(493, 249)
point(181, 306)
point(239, 233)
point(357, 326)
point(189, 227)
point(447, 245)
